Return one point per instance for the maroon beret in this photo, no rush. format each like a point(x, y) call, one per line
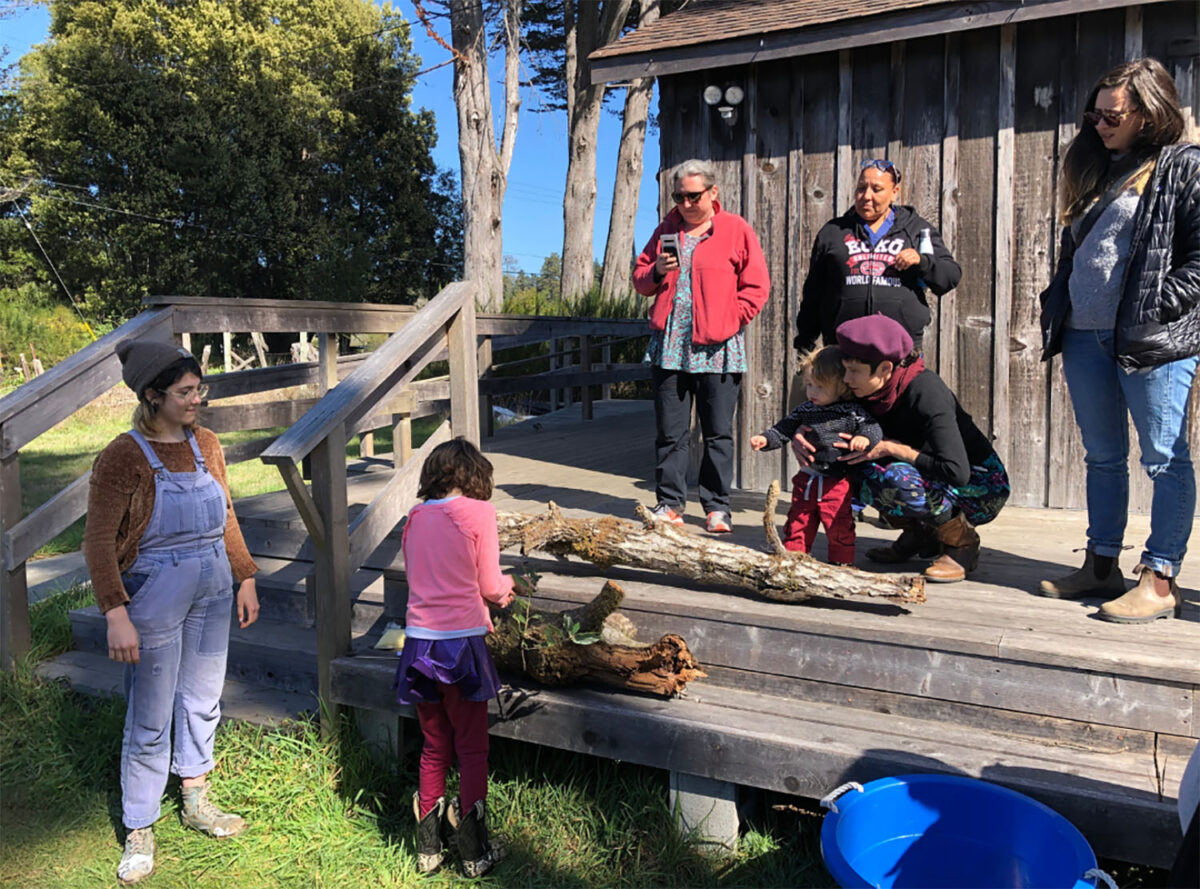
point(873, 339)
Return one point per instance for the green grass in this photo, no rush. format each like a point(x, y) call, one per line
point(328, 815)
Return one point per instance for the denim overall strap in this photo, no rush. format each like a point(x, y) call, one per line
point(189, 507)
point(155, 463)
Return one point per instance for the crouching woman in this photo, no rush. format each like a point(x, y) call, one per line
point(164, 550)
point(934, 474)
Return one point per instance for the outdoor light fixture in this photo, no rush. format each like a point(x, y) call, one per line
point(725, 101)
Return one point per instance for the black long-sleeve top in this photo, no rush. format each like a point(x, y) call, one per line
point(929, 418)
point(826, 422)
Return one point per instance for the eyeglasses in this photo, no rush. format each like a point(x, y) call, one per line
point(1111, 118)
point(186, 395)
point(881, 164)
point(690, 196)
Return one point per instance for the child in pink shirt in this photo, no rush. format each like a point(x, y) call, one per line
point(452, 560)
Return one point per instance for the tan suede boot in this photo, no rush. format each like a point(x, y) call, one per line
point(1153, 597)
point(1099, 576)
point(960, 551)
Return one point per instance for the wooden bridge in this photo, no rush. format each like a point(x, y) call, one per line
point(985, 679)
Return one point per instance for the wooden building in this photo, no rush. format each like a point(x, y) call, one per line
point(975, 102)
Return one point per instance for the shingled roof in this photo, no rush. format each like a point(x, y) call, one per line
point(715, 33)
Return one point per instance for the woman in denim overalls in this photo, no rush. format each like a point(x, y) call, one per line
point(169, 622)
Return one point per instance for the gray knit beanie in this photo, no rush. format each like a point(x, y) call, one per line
point(143, 360)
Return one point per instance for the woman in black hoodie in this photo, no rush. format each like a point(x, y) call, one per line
point(876, 258)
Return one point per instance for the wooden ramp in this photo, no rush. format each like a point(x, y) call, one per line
point(985, 679)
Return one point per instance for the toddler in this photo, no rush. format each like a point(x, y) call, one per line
point(821, 492)
point(452, 559)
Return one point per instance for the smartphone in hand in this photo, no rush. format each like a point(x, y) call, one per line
point(669, 244)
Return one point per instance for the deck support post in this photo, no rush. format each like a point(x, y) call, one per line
point(14, 591)
point(382, 731)
point(706, 810)
point(331, 567)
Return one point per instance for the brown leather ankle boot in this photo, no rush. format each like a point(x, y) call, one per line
point(960, 551)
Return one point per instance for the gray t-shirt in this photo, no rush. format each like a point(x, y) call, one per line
point(1099, 265)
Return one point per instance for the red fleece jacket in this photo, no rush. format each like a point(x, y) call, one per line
point(730, 284)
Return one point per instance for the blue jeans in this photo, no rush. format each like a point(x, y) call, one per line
point(1102, 393)
point(181, 606)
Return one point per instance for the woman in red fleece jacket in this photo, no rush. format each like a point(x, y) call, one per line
point(707, 274)
point(452, 563)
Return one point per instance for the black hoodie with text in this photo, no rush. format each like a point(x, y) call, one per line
point(847, 278)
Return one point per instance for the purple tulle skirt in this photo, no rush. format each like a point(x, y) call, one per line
point(465, 662)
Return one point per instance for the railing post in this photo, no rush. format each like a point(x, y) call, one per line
point(487, 422)
point(401, 439)
point(554, 361)
point(14, 592)
point(585, 365)
point(327, 355)
point(331, 567)
point(606, 357)
point(227, 346)
point(464, 373)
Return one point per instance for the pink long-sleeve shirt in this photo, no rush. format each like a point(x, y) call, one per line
point(452, 559)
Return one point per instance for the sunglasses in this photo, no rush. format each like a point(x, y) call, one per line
point(1111, 118)
point(690, 196)
point(880, 164)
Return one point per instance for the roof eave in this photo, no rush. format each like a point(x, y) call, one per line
point(882, 28)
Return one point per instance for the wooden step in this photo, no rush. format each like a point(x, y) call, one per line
point(1115, 682)
point(271, 653)
point(283, 595)
point(808, 748)
point(96, 675)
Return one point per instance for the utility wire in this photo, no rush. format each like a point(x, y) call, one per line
point(50, 262)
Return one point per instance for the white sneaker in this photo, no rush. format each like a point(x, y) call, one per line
point(138, 861)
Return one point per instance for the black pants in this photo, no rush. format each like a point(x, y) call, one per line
point(716, 396)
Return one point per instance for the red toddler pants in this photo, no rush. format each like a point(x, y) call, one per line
point(817, 500)
point(453, 729)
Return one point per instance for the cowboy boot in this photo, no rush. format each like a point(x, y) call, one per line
point(430, 851)
point(1154, 596)
point(960, 551)
point(914, 540)
point(1099, 576)
point(479, 852)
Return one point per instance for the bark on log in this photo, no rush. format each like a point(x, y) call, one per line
point(536, 644)
point(781, 576)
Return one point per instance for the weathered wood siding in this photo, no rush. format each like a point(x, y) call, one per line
point(978, 122)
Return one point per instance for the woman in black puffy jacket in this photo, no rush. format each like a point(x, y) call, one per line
point(876, 258)
point(1124, 311)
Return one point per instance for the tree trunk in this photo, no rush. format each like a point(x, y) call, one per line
point(781, 576)
point(484, 169)
point(619, 248)
point(541, 645)
point(595, 25)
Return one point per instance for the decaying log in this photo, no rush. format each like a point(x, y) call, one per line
point(540, 644)
point(782, 576)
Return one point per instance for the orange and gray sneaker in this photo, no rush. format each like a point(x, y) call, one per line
point(719, 522)
point(664, 513)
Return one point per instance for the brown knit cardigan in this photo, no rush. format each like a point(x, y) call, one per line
point(121, 500)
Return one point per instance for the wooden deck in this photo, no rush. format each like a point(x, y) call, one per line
point(985, 679)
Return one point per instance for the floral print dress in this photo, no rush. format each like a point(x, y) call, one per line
point(673, 349)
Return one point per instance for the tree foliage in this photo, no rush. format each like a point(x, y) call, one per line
point(228, 149)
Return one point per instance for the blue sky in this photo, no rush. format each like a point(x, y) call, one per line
point(533, 205)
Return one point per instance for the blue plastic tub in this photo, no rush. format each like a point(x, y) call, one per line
point(943, 831)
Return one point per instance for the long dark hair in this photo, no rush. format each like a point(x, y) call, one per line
point(455, 464)
point(145, 414)
point(1152, 92)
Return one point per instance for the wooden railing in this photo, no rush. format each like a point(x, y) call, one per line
point(39, 405)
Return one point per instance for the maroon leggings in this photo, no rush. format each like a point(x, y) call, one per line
point(453, 729)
